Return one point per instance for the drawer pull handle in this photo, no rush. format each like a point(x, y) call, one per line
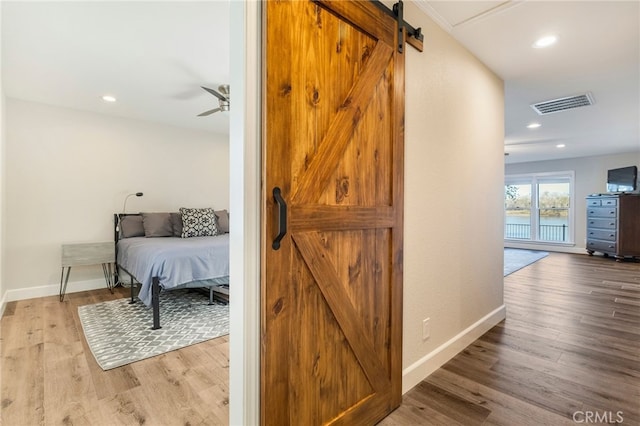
point(282, 218)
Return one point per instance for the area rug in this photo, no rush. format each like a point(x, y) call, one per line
point(119, 333)
point(515, 259)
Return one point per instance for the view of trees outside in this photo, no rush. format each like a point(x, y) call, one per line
point(552, 208)
point(517, 204)
point(517, 197)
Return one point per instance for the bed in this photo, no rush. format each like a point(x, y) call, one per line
point(161, 253)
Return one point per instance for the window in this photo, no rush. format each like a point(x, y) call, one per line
point(538, 207)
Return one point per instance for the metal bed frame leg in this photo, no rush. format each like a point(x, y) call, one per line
point(106, 269)
point(63, 290)
point(132, 299)
point(211, 296)
point(155, 302)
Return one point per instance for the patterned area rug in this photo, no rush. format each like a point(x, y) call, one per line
point(515, 259)
point(119, 333)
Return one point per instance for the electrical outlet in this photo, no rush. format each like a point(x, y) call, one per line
point(426, 328)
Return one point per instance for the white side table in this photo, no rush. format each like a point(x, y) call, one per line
point(84, 254)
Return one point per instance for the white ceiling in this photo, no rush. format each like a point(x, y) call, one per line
point(598, 51)
point(153, 56)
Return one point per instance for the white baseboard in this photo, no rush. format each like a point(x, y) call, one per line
point(546, 247)
point(421, 369)
point(51, 290)
point(3, 303)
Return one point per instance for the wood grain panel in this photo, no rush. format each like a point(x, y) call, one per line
point(314, 356)
point(364, 173)
point(357, 257)
point(370, 19)
point(335, 218)
point(331, 286)
point(312, 182)
point(327, 297)
point(283, 101)
point(397, 199)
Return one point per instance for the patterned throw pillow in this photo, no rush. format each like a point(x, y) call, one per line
point(199, 222)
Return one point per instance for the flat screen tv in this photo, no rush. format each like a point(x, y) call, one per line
point(624, 179)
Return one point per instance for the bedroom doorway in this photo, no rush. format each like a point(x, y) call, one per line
point(331, 298)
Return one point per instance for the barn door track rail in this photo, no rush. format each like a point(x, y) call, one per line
point(414, 35)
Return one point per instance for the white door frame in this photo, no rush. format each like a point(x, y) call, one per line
point(244, 207)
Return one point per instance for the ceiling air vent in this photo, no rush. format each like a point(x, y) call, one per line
point(562, 104)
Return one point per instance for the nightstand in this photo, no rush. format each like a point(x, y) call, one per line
point(84, 254)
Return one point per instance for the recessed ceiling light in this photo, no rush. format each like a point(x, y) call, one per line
point(533, 125)
point(545, 42)
point(560, 145)
point(108, 98)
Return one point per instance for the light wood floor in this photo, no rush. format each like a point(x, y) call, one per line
point(571, 343)
point(49, 376)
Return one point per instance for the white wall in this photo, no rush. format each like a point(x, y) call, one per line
point(590, 178)
point(453, 248)
point(2, 188)
point(68, 171)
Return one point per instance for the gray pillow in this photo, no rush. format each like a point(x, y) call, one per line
point(131, 226)
point(157, 225)
point(176, 224)
point(223, 221)
point(199, 222)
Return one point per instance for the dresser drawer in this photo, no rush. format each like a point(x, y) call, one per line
point(602, 234)
point(600, 202)
point(601, 223)
point(602, 212)
point(601, 246)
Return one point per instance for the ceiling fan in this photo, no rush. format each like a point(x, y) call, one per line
point(223, 99)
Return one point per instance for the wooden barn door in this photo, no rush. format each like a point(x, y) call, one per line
point(333, 177)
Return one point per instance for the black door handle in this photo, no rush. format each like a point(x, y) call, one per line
point(282, 218)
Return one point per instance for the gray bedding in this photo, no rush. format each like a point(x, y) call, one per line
point(177, 262)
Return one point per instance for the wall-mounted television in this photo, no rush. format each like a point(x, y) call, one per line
point(624, 179)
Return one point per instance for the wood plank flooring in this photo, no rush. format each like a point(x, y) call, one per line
point(568, 353)
point(49, 376)
point(570, 344)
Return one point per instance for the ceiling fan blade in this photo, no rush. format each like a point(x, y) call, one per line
point(214, 93)
point(211, 111)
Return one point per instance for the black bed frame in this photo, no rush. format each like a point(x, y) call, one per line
point(155, 282)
